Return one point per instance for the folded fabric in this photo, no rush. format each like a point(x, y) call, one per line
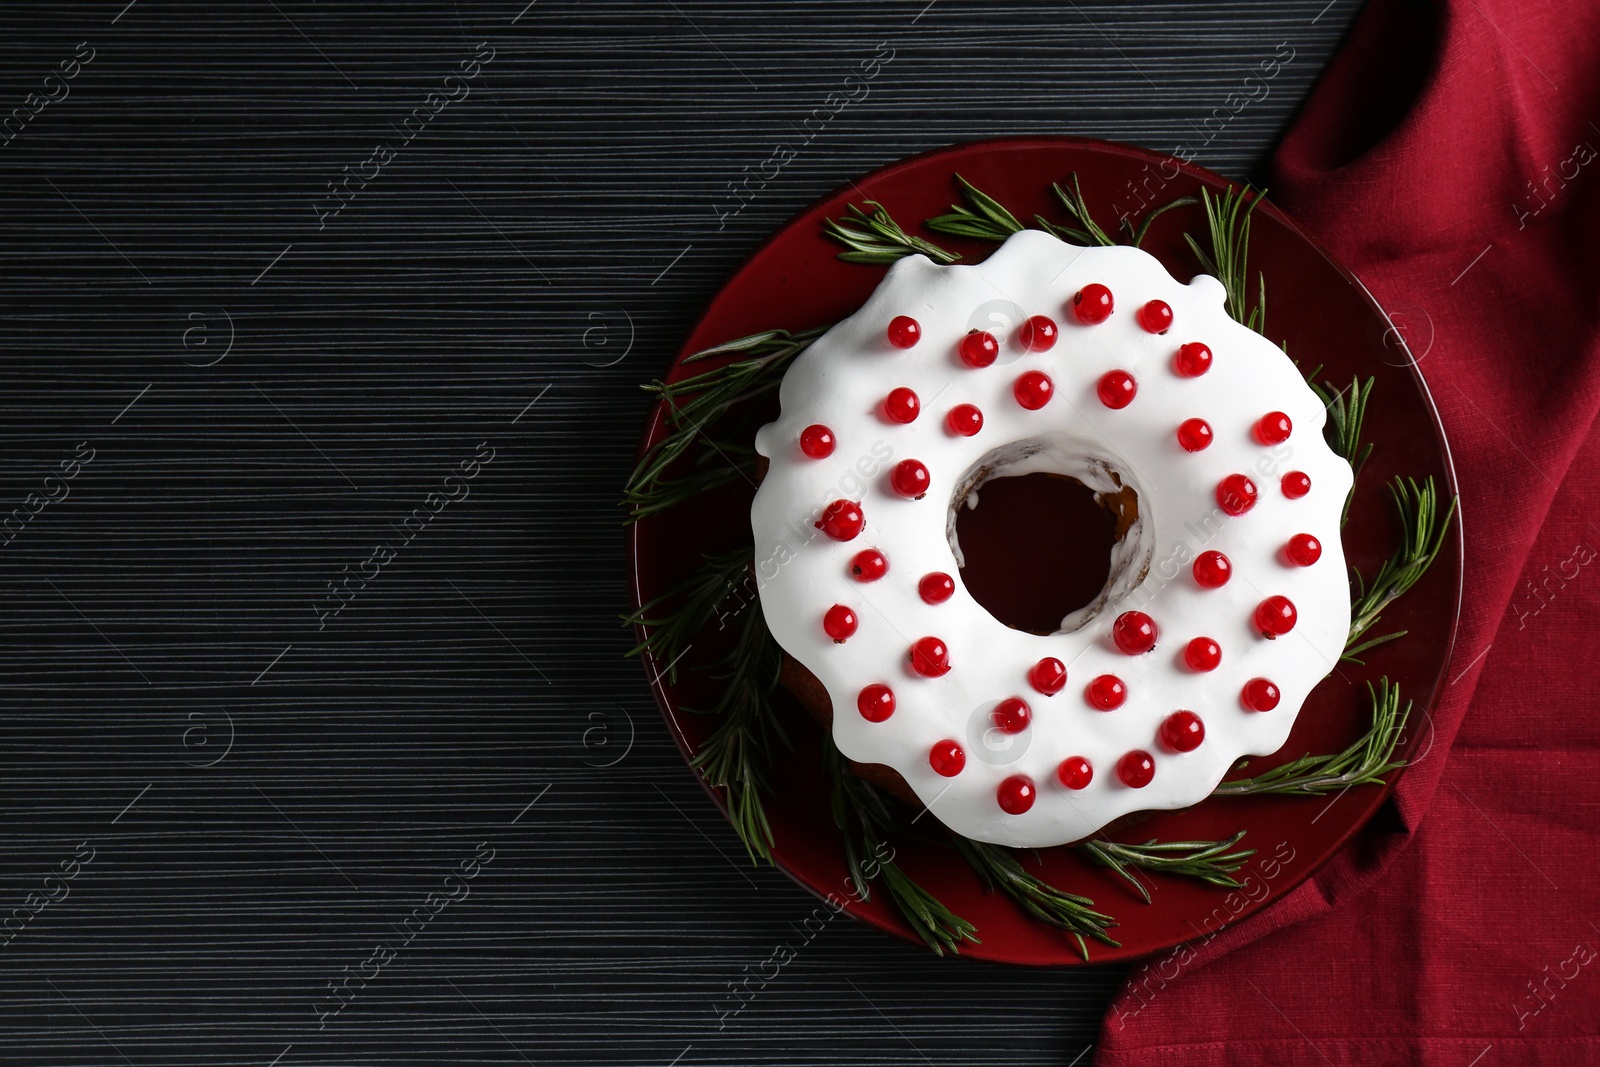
point(1449, 157)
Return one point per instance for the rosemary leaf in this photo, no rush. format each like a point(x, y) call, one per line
point(1422, 535)
point(876, 238)
point(1345, 417)
point(1000, 869)
point(1351, 654)
point(1087, 232)
point(985, 218)
point(765, 342)
point(1365, 762)
point(1260, 311)
point(1136, 236)
point(1208, 861)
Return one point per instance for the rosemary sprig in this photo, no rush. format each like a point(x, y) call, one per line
point(1345, 416)
point(736, 755)
point(1422, 535)
point(864, 819)
point(1000, 869)
point(1365, 762)
point(698, 597)
point(1228, 231)
point(1087, 232)
point(1208, 861)
point(985, 218)
point(719, 463)
point(876, 238)
point(694, 402)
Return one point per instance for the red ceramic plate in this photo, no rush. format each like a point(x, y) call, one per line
point(1320, 311)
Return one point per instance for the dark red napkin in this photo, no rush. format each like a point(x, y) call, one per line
point(1451, 158)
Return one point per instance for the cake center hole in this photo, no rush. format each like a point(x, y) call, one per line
point(1038, 547)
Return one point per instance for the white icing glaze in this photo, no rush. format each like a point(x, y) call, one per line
point(841, 382)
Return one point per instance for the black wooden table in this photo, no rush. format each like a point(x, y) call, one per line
point(322, 330)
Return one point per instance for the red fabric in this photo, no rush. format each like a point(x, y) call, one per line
point(1464, 930)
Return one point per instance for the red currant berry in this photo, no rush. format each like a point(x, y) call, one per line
point(1275, 616)
point(1092, 304)
point(1038, 334)
point(1012, 715)
point(1107, 692)
point(1075, 772)
point(1034, 389)
point(817, 441)
point(904, 331)
point(979, 349)
point(910, 479)
point(964, 420)
point(1296, 484)
point(1237, 494)
point(840, 622)
point(1048, 676)
point(1136, 769)
point(841, 520)
point(1273, 428)
point(1182, 731)
point(1202, 654)
point(936, 588)
point(1194, 434)
point(1303, 550)
point(1134, 632)
point(875, 702)
point(1212, 570)
point(1016, 794)
point(946, 758)
point(1192, 360)
point(1260, 695)
point(902, 405)
point(1116, 389)
point(868, 565)
point(1156, 316)
point(930, 658)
